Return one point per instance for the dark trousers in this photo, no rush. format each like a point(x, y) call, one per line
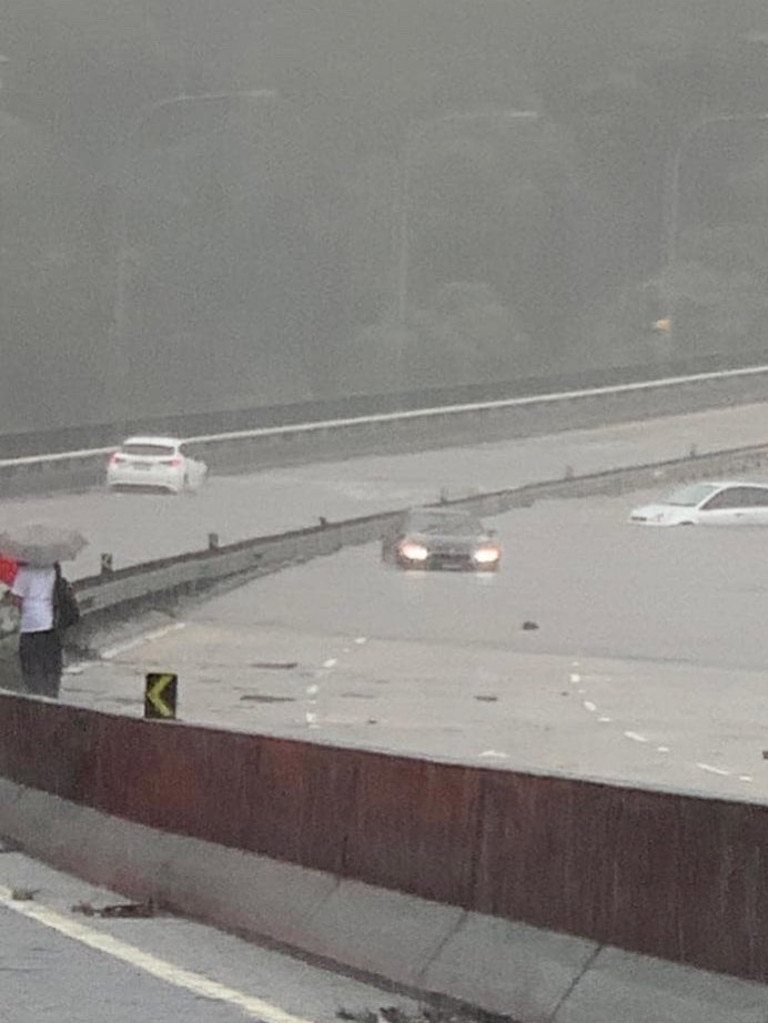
point(41, 662)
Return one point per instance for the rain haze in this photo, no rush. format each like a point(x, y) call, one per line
point(208, 208)
point(221, 215)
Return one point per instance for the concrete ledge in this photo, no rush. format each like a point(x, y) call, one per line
point(532, 975)
point(621, 986)
point(509, 967)
point(379, 931)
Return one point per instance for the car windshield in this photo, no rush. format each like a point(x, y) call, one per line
point(155, 450)
point(692, 495)
point(455, 525)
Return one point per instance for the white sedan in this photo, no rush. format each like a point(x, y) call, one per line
point(708, 504)
point(155, 463)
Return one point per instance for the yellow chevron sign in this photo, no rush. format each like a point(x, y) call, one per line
point(160, 695)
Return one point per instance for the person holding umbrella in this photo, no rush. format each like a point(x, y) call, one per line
point(38, 551)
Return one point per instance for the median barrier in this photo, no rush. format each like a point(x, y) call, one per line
point(419, 428)
point(546, 897)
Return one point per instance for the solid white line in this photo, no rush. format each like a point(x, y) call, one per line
point(714, 770)
point(196, 983)
point(130, 644)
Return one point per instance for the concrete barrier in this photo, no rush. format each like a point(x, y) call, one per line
point(422, 428)
point(675, 875)
point(526, 973)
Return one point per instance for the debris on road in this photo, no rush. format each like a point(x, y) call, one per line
point(23, 894)
point(424, 1014)
point(132, 910)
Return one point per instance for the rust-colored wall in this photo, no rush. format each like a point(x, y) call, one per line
point(679, 877)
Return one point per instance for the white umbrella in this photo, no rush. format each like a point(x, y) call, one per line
point(40, 546)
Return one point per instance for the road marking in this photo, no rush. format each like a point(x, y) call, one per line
point(745, 777)
point(662, 749)
point(330, 663)
point(313, 690)
point(196, 983)
point(591, 707)
point(575, 678)
point(360, 640)
point(604, 720)
point(714, 770)
point(148, 637)
point(494, 753)
point(635, 737)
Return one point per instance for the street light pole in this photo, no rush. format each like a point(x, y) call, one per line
point(672, 204)
point(413, 133)
point(117, 361)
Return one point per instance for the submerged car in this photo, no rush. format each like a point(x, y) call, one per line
point(154, 463)
point(708, 504)
point(436, 538)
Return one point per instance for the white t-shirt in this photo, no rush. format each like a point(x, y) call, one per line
point(35, 587)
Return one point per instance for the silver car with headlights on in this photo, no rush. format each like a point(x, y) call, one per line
point(441, 539)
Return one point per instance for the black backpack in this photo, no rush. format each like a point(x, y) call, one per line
point(66, 610)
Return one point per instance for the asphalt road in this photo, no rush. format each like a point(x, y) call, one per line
point(60, 966)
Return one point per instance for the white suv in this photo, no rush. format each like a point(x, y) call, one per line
point(156, 463)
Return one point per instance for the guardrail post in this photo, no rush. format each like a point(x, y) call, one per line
point(213, 541)
point(106, 564)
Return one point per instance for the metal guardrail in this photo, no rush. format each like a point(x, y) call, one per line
point(440, 425)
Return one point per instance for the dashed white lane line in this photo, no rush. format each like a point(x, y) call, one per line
point(604, 720)
point(713, 770)
point(148, 637)
point(331, 662)
point(635, 737)
point(746, 777)
point(575, 678)
point(196, 983)
point(662, 749)
point(361, 639)
point(591, 707)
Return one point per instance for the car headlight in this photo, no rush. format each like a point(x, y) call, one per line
point(414, 551)
point(486, 555)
